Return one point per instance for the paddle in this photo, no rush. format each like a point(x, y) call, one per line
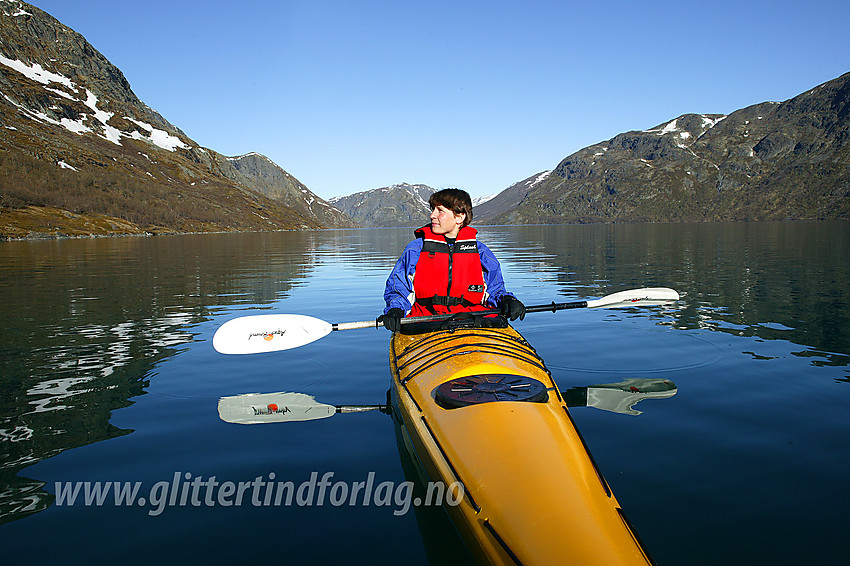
point(258, 408)
point(620, 397)
point(275, 332)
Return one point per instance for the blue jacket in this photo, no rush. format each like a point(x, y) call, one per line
point(399, 289)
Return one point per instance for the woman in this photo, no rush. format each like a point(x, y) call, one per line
point(445, 269)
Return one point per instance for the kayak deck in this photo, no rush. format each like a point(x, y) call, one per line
point(531, 491)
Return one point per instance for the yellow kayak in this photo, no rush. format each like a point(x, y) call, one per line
point(478, 408)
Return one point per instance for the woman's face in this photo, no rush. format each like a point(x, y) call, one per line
point(446, 222)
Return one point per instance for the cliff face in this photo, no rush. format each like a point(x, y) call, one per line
point(81, 154)
point(769, 161)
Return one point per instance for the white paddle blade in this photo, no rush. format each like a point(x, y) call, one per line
point(268, 333)
point(623, 396)
point(259, 408)
point(636, 298)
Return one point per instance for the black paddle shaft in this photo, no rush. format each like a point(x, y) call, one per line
point(551, 307)
point(554, 307)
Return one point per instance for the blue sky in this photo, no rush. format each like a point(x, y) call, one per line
point(350, 96)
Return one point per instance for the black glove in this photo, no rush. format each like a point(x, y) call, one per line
point(392, 319)
point(512, 308)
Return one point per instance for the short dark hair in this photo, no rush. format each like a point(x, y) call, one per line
point(456, 200)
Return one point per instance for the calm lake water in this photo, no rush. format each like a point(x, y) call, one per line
point(107, 374)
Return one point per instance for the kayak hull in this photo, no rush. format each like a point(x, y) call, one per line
point(522, 486)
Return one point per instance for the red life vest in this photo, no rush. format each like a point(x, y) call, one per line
point(448, 279)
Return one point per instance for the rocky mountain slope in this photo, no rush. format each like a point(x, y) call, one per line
point(398, 205)
point(81, 154)
point(769, 161)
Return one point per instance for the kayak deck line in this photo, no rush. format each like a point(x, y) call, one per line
point(439, 337)
point(425, 348)
point(533, 493)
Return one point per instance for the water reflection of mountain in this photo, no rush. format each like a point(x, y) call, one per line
point(85, 322)
point(771, 280)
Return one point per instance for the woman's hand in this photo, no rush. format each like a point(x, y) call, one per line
point(512, 308)
point(392, 319)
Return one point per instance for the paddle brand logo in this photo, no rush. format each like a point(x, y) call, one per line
point(267, 336)
point(271, 409)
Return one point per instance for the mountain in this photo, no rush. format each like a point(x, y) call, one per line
point(769, 161)
point(398, 205)
point(81, 154)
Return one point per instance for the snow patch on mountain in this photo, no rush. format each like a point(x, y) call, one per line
point(540, 178)
point(102, 128)
point(673, 127)
point(668, 128)
point(18, 7)
point(709, 123)
point(157, 137)
point(682, 137)
point(481, 200)
point(37, 73)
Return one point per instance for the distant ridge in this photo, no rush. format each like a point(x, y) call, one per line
point(397, 205)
